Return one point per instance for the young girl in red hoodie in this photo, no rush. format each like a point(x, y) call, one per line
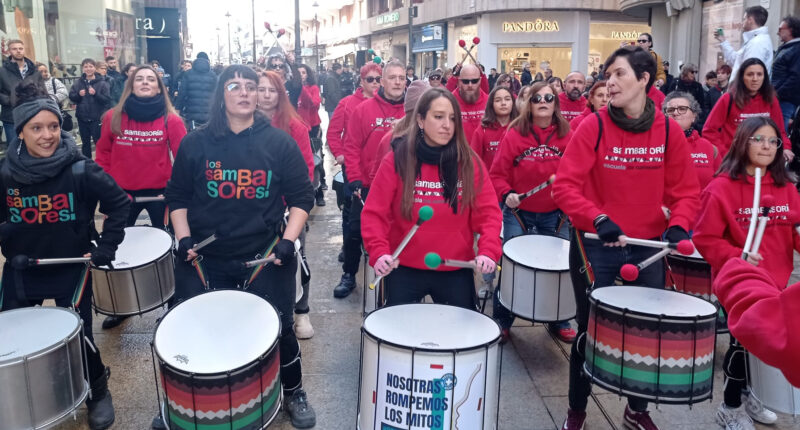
point(433, 166)
point(500, 111)
point(722, 228)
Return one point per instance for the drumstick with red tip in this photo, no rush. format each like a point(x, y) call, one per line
point(753, 214)
point(23, 261)
point(434, 260)
point(684, 247)
point(767, 202)
point(538, 188)
point(629, 272)
point(425, 213)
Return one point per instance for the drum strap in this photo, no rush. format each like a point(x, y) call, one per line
point(200, 272)
point(83, 280)
point(257, 269)
point(587, 265)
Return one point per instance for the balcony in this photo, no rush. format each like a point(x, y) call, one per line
point(625, 5)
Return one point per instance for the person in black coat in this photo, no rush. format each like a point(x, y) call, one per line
point(92, 95)
point(195, 91)
point(786, 68)
point(687, 82)
point(526, 78)
point(15, 69)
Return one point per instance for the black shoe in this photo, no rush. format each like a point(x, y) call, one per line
point(341, 255)
point(301, 413)
point(323, 185)
point(345, 287)
point(158, 423)
point(100, 406)
point(113, 321)
point(320, 199)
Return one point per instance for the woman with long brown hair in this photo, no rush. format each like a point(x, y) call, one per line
point(500, 111)
point(434, 166)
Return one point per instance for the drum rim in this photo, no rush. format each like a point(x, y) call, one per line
point(63, 341)
point(173, 369)
point(517, 263)
point(505, 256)
point(260, 356)
point(593, 302)
point(689, 400)
point(689, 258)
point(168, 251)
point(143, 310)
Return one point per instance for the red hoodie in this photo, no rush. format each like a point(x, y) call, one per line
point(761, 315)
point(299, 133)
point(338, 122)
point(471, 114)
point(627, 177)
point(450, 235)
point(573, 125)
point(721, 126)
point(705, 157)
point(139, 159)
point(570, 109)
point(533, 169)
point(724, 219)
point(370, 121)
point(657, 97)
point(486, 141)
point(308, 105)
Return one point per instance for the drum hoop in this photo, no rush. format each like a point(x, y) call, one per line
point(49, 348)
point(123, 269)
point(485, 345)
point(686, 258)
point(659, 399)
point(517, 263)
point(650, 317)
point(163, 363)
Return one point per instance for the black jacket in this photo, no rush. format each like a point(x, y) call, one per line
point(692, 87)
point(786, 72)
point(238, 183)
point(332, 91)
point(526, 78)
point(196, 90)
point(347, 84)
point(10, 77)
point(90, 107)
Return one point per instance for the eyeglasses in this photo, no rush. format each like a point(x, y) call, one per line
point(548, 98)
point(643, 41)
point(470, 81)
point(371, 79)
point(435, 78)
point(680, 109)
point(236, 88)
point(773, 142)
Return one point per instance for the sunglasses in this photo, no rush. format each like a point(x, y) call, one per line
point(371, 79)
point(435, 78)
point(275, 66)
point(470, 81)
point(758, 139)
point(548, 98)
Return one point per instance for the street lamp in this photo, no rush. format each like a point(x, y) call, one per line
point(316, 34)
point(219, 50)
point(230, 53)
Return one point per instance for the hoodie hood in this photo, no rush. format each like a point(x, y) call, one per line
point(202, 65)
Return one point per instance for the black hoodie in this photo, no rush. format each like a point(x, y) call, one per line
point(90, 107)
point(239, 185)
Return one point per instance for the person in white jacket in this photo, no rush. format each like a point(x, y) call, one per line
point(55, 87)
point(756, 42)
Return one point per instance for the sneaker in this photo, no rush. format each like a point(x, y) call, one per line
point(113, 321)
point(757, 411)
point(505, 335)
point(566, 334)
point(301, 413)
point(574, 420)
point(638, 420)
point(302, 326)
point(345, 287)
point(733, 418)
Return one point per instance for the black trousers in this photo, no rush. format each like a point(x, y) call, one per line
point(90, 132)
point(735, 368)
point(408, 285)
point(155, 210)
point(352, 235)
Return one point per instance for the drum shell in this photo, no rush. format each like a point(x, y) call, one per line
point(692, 276)
point(136, 290)
point(53, 379)
point(370, 301)
point(769, 386)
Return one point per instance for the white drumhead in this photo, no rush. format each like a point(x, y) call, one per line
point(654, 301)
point(26, 331)
point(216, 332)
point(141, 245)
point(538, 251)
point(431, 326)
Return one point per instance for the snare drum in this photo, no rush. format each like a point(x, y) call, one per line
point(42, 379)
point(770, 387)
point(143, 277)
point(651, 343)
point(428, 366)
point(535, 283)
point(219, 362)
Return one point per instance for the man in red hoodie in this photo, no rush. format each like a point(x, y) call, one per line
point(471, 99)
point(365, 127)
point(571, 100)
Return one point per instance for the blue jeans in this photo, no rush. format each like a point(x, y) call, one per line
point(545, 223)
point(8, 129)
point(788, 110)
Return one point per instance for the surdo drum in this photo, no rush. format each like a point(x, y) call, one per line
point(769, 386)
point(428, 366)
point(42, 379)
point(219, 362)
point(143, 276)
point(651, 343)
point(535, 283)
point(691, 274)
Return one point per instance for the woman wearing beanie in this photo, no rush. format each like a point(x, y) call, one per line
point(46, 163)
point(138, 141)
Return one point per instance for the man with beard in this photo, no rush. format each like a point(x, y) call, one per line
point(572, 100)
point(471, 99)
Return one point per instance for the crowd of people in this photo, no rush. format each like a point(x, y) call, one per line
point(636, 153)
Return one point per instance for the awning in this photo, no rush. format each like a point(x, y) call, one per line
point(339, 51)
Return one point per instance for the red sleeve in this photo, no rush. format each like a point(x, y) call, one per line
point(715, 121)
point(310, 95)
point(452, 83)
point(710, 231)
point(176, 133)
point(681, 188)
point(777, 115)
point(103, 145)
point(501, 167)
point(757, 306)
point(335, 130)
point(300, 135)
point(376, 217)
point(354, 137)
point(485, 216)
point(384, 147)
point(476, 143)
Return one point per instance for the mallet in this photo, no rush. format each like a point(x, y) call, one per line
point(425, 213)
point(434, 260)
point(629, 272)
point(684, 247)
point(767, 202)
point(754, 214)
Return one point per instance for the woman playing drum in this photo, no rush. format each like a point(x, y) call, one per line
point(234, 178)
point(44, 163)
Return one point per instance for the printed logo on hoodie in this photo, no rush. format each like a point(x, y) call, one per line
point(39, 209)
point(431, 192)
point(236, 183)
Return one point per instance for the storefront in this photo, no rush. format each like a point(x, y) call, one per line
point(607, 37)
point(429, 45)
point(389, 35)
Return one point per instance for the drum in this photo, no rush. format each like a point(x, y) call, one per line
point(535, 283)
point(770, 387)
point(651, 343)
point(692, 275)
point(143, 277)
point(338, 187)
point(42, 379)
point(428, 366)
point(370, 300)
point(218, 358)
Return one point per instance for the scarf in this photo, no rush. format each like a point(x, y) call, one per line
point(634, 125)
point(448, 167)
point(145, 109)
point(28, 170)
point(391, 102)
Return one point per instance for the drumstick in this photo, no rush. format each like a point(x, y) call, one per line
point(21, 261)
point(754, 213)
point(433, 261)
point(629, 272)
point(222, 230)
point(684, 247)
point(767, 202)
point(425, 213)
point(259, 262)
point(538, 188)
point(147, 199)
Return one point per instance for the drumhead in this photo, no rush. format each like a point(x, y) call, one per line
point(27, 331)
point(431, 327)
point(653, 301)
point(142, 245)
point(216, 332)
point(695, 256)
point(538, 251)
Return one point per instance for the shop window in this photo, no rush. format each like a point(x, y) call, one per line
point(512, 58)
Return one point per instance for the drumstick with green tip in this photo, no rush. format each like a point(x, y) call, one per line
point(434, 260)
point(425, 213)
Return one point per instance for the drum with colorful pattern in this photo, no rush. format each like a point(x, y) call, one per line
point(692, 275)
point(651, 343)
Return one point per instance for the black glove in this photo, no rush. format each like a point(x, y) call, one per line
point(355, 186)
point(184, 245)
point(102, 256)
point(676, 234)
point(608, 231)
point(284, 251)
